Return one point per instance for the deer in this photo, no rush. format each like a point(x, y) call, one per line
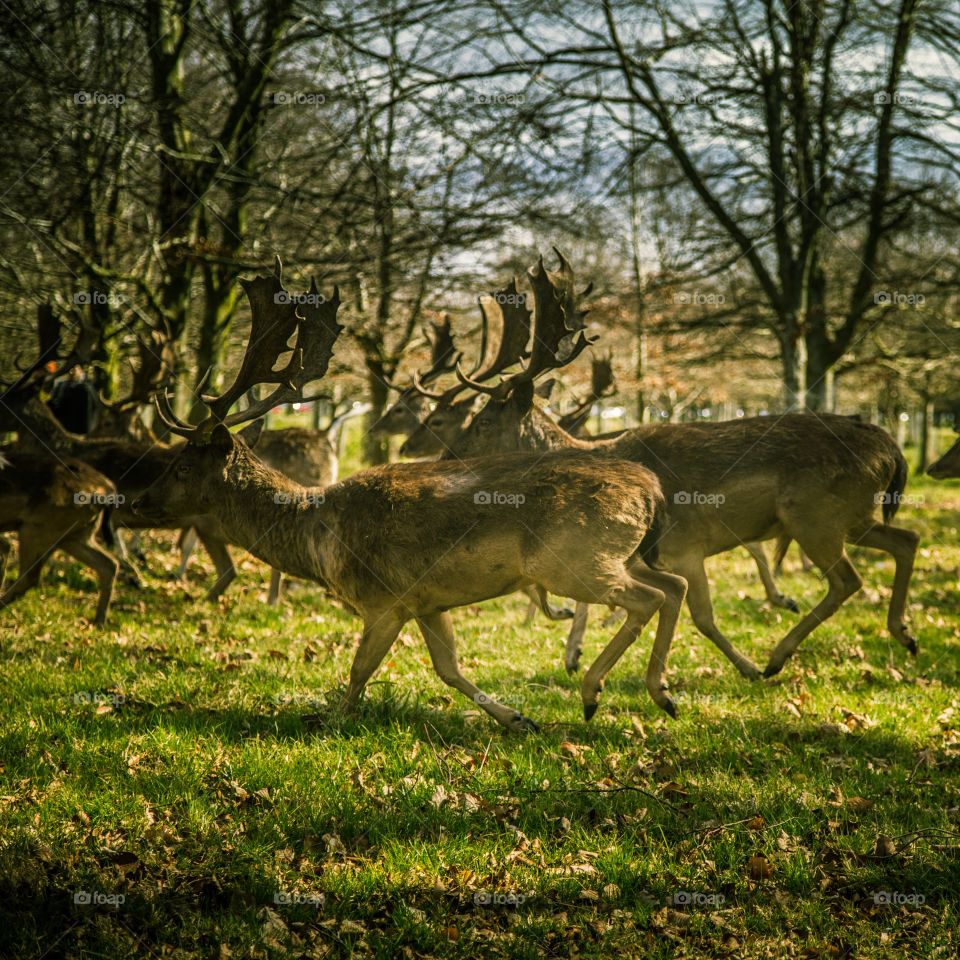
point(410, 407)
point(409, 541)
point(121, 418)
point(129, 464)
point(816, 479)
point(53, 503)
point(948, 466)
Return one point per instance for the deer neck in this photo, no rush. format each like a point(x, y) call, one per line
point(540, 432)
point(277, 520)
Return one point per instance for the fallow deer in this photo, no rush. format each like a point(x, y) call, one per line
point(411, 541)
point(405, 413)
point(815, 479)
point(53, 504)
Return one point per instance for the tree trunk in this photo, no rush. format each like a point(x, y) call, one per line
point(925, 450)
point(375, 450)
point(794, 360)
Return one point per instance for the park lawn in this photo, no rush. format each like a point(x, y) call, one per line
point(190, 759)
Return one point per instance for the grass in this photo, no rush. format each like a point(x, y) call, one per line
point(190, 759)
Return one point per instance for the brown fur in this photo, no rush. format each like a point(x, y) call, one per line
point(406, 541)
point(815, 479)
point(38, 501)
point(948, 466)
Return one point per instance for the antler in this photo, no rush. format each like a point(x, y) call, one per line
point(558, 328)
point(443, 353)
point(157, 356)
point(506, 322)
point(601, 377)
point(275, 316)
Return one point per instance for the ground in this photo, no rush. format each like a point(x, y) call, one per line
point(181, 783)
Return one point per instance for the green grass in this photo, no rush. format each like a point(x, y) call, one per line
point(191, 758)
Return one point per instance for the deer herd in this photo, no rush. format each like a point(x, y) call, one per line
point(514, 499)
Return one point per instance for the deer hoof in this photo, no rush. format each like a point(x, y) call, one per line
point(573, 667)
point(670, 705)
point(790, 604)
point(749, 670)
point(913, 648)
point(521, 724)
point(772, 669)
point(564, 613)
point(589, 709)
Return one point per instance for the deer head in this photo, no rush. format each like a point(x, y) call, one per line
point(559, 337)
point(212, 451)
point(407, 411)
point(505, 330)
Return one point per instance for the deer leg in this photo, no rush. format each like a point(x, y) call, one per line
point(578, 629)
point(105, 567)
point(641, 600)
point(843, 580)
point(701, 609)
point(437, 630)
point(902, 545)
point(226, 571)
point(33, 554)
point(775, 597)
point(378, 637)
point(276, 577)
point(187, 544)
point(533, 604)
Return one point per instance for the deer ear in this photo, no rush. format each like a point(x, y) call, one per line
point(522, 396)
point(221, 439)
point(251, 433)
point(546, 388)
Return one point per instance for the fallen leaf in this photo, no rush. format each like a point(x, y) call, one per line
point(759, 868)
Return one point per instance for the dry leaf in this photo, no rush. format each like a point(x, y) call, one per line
point(759, 868)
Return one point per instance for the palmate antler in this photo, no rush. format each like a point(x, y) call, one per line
point(275, 317)
point(505, 330)
point(558, 327)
